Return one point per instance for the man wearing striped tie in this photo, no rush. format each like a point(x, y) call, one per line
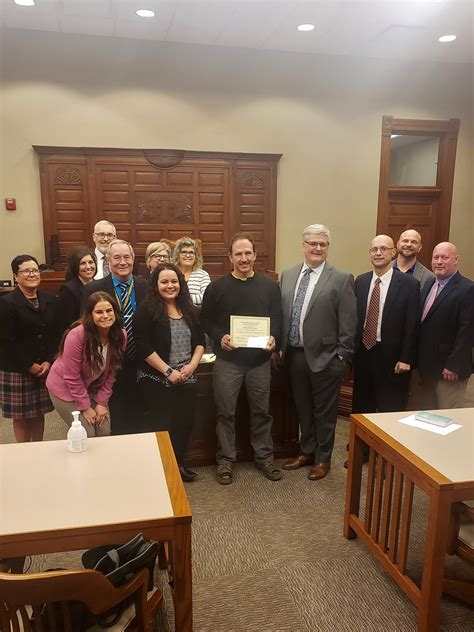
point(447, 334)
point(388, 314)
point(128, 290)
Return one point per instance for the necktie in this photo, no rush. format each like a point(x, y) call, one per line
point(105, 267)
point(369, 337)
point(127, 316)
point(294, 334)
point(431, 299)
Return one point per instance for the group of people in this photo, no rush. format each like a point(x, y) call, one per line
point(123, 349)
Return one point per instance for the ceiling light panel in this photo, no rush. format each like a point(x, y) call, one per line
point(88, 8)
point(130, 25)
point(252, 23)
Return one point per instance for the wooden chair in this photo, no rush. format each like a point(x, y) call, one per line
point(38, 602)
point(461, 543)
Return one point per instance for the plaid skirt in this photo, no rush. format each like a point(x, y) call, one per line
point(23, 396)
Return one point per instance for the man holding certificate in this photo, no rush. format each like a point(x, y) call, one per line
point(241, 312)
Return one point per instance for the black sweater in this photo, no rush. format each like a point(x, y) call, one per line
point(257, 296)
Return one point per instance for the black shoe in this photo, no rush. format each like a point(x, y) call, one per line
point(187, 475)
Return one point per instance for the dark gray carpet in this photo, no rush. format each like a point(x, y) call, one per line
point(271, 556)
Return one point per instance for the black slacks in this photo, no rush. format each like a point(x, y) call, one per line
point(126, 408)
point(376, 388)
point(316, 396)
point(171, 408)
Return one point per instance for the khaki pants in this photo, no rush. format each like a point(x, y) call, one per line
point(428, 393)
point(65, 409)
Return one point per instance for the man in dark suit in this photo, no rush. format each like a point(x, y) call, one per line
point(446, 336)
point(408, 248)
point(388, 313)
point(128, 290)
point(319, 322)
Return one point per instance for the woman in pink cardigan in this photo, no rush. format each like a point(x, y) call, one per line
point(83, 374)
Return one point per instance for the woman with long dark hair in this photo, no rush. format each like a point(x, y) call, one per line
point(82, 376)
point(81, 269)
point(28, 342)
point(170, 344)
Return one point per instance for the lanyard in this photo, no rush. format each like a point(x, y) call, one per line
point(126, 297)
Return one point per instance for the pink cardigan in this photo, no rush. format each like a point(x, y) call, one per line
point(70, 377)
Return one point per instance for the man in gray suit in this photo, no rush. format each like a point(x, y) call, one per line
point(408, 248)
point(319, 325)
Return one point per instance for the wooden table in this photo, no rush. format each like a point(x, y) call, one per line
point(401, 457)
point(52, 500)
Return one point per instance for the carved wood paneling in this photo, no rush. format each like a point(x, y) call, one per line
point(154, 194)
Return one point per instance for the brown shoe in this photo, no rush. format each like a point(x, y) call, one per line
point(299, 461)
point(319, 471)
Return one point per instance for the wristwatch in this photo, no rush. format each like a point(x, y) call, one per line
point(168, 371)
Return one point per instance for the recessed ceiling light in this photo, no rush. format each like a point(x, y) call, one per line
point(25, 3)
point(447, 38)
point(145, 13)
point(306, 27)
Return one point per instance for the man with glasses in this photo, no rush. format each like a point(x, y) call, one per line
point(319, 323)
point(128, 290)
point(388, 312)
point(104, 233)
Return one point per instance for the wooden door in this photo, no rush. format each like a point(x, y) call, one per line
point(425, 206)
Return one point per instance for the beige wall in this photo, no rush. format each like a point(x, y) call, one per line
point(323, 113)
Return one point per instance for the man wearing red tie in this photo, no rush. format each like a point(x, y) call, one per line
point(388, 312)
point(446, 335)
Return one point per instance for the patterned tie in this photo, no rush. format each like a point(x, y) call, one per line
point(294, 335)
point(431, 299)
point(105, 267)
point(127, 316)
point(369, 337)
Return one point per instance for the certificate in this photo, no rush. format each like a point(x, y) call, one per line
point(250, 331)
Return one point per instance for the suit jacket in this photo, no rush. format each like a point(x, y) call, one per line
point(400, 318)
point(69, 302)
point(70, 377)
point(423, 275)
point(27, 335)
point(447, 333)
point(107, 285)
point(330, 321)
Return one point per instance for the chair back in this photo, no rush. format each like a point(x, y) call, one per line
point(41, 602)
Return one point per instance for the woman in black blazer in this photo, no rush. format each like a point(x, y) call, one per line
point(28, 343)
point(170, 344)
point(81, 269)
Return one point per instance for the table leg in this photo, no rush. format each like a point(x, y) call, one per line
point(181, 570)
point(433, 567)
point(354, 480)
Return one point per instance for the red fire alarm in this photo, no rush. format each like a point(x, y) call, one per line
point(10, 204)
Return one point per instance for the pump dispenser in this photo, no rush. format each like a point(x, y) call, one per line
point(77, 435)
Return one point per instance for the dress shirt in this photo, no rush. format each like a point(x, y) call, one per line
point(384, 284)
point(313, 279)
point(100, 264)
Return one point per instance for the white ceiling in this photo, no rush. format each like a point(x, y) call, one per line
point(394, 29)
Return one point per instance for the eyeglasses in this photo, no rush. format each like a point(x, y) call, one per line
point(160, 257)
point(313, 244)
point(188, 253)
point(108, 236)
point(382, 249)
point(30, 272)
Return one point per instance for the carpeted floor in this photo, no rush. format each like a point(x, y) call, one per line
point(271, 556)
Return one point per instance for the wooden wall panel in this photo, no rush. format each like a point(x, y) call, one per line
point(153, 194)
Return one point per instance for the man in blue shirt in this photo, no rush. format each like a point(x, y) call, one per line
point(408, 248)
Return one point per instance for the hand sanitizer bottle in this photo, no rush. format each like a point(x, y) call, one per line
point(77, 435)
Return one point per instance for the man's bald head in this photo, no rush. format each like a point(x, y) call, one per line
point(445, 260)
point(409, 244)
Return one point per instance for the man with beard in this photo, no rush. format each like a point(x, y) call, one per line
point(104, 233)
point(408, 248)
